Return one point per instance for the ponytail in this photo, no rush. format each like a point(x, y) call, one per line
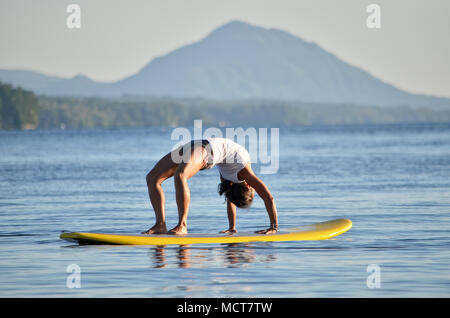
point(224, 187)
point(237, 193)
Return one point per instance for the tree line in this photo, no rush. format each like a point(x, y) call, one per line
point(21, 109)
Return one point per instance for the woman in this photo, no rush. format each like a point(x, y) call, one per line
point(238, 182)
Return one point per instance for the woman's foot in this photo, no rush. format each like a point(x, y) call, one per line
point(178, 230)
point(156, 229)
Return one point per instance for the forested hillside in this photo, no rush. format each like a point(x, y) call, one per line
point(22, 109)
point(19, 109)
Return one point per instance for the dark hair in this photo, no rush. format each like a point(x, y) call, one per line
point(237, 193)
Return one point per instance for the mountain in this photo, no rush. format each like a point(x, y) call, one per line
point(51, 85)
point(241, 61)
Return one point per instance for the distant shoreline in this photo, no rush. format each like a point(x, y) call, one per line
point(72, 112)
point(22, 109)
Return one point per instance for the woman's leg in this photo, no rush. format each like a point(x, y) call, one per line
point(185, 171)
point(164, 168)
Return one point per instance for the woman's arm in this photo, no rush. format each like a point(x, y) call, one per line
point(231, 213)
point(262, 190)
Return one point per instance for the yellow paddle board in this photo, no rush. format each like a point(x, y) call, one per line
point(317, 231)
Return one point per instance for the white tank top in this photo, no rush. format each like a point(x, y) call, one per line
point(229, 157)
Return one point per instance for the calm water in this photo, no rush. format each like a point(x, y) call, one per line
point(393, 182)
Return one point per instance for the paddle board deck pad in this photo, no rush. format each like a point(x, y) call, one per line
point(317, 231)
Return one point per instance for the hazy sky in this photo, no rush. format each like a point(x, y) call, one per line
point(118, 37)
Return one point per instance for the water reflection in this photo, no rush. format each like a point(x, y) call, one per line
point(226, 255)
